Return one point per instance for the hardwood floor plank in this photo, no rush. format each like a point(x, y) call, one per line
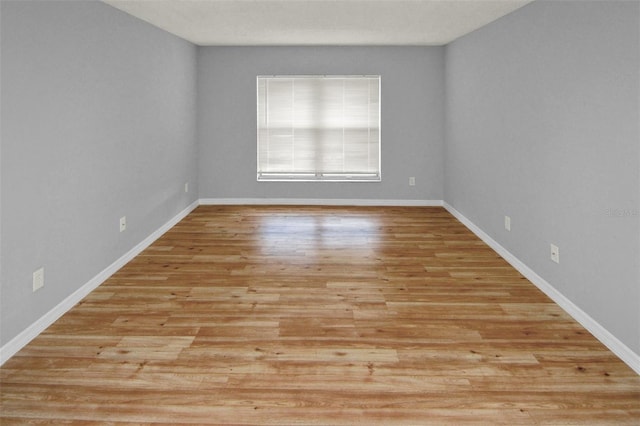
point(317, 316)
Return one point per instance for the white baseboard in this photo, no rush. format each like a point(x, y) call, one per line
point(602, 334)
point(318, 202)
point(609, 340)
point(22, 339)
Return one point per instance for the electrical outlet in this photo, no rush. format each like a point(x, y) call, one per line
point(186, 187)
point(555, 253)
point(412, 181)
point(38, 279)
point(123, 223)
point(507, 223)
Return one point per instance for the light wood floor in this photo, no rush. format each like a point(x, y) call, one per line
point(318, 315)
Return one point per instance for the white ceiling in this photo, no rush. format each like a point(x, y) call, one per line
point(318, 22)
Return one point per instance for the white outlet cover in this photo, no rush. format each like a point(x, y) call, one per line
point(186, 187)
point(412, 181)
point(123, 223)
point(507, 223)
point(38, 279)
point(555, 253)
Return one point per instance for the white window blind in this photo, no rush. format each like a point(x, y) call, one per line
point(319, 128)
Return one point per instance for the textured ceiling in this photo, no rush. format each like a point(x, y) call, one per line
point(318, 22)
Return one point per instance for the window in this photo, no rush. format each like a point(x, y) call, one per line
point(319, 128)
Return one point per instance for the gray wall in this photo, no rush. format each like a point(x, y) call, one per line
point(542, 125)
point(98, 122)
point(412, 119)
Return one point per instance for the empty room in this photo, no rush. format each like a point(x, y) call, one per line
point(328, 212)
